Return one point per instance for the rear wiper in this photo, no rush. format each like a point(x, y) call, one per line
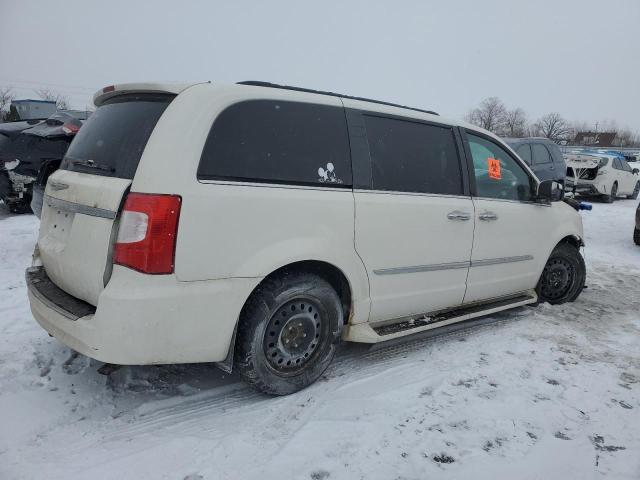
point(92, 164)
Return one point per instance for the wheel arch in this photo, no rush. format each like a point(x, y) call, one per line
point(574, 240)
point(328, 271)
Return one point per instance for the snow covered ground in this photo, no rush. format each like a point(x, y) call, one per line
point(546, 392)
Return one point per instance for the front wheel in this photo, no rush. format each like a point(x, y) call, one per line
point(563, 276)
point(288, 333)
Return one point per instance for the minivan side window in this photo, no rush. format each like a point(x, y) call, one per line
point(278, 142)
point(410, 156)
point(497, 174)
point(540, 154)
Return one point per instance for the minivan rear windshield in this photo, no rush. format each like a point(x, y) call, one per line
point(111, 141)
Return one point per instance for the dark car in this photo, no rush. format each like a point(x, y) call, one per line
point(9, 132)
point(31, 156)
point(636, 231)
point(542, 155)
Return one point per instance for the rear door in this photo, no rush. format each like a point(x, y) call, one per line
point(629, 178)
point(82, 198)
point(414, 217)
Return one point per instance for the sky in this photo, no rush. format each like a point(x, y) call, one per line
point(580, 58)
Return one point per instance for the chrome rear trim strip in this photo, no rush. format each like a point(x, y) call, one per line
point(78, 208)
point(421, 268)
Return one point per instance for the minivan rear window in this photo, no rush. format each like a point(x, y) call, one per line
point(278, 142)
point(111, 141)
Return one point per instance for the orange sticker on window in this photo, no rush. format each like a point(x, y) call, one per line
point(494, 168)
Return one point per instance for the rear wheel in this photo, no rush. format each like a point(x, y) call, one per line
point(288, 333)
point(636, 235)
point(636, 191)
point(563, 276)
point(612, 194)
point(20, 207)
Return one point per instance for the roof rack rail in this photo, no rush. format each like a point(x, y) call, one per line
point(257, 83)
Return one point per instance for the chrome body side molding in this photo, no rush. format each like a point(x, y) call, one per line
point(451, 265)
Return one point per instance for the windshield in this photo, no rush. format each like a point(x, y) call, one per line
point(112, 140)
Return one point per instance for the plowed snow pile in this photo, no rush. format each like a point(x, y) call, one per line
point(547, 392)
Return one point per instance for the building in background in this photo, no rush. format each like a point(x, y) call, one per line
point(594, 139)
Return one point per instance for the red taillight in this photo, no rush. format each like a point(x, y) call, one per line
point(147, 235)
point(70, 128)
point(108, 89)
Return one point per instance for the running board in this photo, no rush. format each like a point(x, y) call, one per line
point(367, 333)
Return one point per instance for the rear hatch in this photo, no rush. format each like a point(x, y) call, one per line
point(82, 199)
point(583, 167)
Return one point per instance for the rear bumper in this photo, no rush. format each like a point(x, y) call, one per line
point(144, 319)
point(588, 188)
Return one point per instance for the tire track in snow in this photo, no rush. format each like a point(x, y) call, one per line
point(202, 414)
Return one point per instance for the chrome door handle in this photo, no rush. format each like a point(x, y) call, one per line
point(488, 216)
point(458, 215)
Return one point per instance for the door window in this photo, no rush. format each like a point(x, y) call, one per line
point(540, 154)
point(409, 156)
point(497, 174)
point(279, 142)
point(524, 152)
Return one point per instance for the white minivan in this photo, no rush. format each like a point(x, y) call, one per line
point(257, 226)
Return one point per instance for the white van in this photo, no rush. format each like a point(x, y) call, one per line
point(257, 226)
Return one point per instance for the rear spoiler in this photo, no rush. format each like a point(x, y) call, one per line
point(114, 90)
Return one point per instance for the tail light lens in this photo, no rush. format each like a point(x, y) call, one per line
point(70, 128)
point(146, 239)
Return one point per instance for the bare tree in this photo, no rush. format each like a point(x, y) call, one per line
point(62, 101)
point(515, 123)
point(625, 137)
point(6, 97)
point(553, 126)
point(490, 115)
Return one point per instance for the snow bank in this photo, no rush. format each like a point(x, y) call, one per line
point(546, 392)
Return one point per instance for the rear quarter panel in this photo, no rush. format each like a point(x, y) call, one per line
point(230, 229)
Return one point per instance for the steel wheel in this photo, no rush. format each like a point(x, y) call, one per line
point(288, 332)
point(292, 335)
point(557, 278)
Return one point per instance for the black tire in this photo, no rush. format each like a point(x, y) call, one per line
point(636, 236)
point(635, 193)
point(612, 195)
point(20, 207)
point(563, 276)
point(288, 333)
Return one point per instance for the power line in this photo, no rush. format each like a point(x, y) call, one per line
point(46, 84)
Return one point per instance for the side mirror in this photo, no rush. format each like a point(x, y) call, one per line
point(636, 171)
point(550, 191)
